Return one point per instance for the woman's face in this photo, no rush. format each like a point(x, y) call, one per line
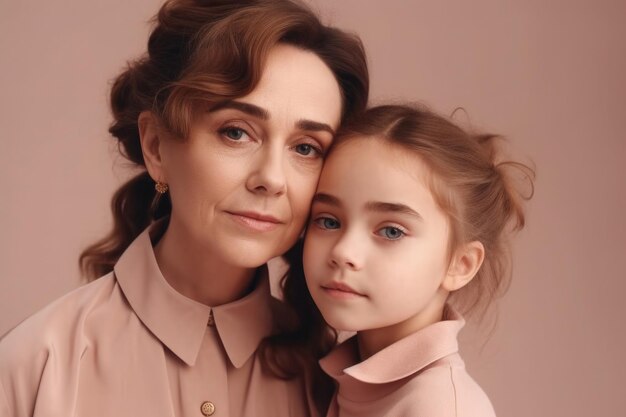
point(242, 183)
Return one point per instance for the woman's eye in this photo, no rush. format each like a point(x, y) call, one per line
point(307, 149)
point(391, 233)
point(327, 223)
point(233, 133)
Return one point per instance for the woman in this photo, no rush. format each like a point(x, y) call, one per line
point(230, 113)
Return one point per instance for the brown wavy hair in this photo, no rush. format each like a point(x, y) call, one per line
point(200, 53)
point(481, 192)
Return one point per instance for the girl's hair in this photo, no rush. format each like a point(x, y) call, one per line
point(481, 192)
point(202, 52)
point(473, 185)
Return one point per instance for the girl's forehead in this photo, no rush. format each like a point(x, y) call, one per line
point(367, 169)
point(377, 153)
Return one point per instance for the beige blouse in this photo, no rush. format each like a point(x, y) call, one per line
point(420, 375)
point(128, 344)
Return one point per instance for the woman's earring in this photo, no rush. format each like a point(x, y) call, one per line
point(161, 187)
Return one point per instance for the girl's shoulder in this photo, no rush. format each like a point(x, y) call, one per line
point(445, 388)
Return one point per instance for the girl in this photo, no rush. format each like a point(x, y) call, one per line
point(227, 118)
point(407, 228)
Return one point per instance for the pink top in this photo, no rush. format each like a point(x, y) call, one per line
point(420, 375)
point(128, 344)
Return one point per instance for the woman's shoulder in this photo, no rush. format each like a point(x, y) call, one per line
point(56, 324)
point(40, 356)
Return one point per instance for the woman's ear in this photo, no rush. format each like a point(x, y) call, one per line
point(465, 264)
point(151, 145)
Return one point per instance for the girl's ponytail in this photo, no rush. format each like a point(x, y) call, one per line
point(511, 176)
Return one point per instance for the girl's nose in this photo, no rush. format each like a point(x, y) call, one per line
point(347, 253)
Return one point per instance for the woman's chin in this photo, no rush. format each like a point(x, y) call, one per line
point(248, 254)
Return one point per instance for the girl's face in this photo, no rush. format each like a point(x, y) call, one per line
point(241, 184)
point(376, 248)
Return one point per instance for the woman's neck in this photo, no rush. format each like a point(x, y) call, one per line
point(197, 274)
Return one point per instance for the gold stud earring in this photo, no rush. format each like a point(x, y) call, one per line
point(161, 187)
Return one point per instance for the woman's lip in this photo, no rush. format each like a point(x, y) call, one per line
point(258, 223)
point(256, 216)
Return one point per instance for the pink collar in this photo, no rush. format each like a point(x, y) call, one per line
point(399, 360)
point(180, 322)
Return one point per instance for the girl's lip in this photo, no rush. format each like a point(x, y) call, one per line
point(340, 289)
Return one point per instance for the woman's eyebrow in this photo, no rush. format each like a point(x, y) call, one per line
point(381, 206)
point(314, 126)
point(251, 109)
point(261, 113)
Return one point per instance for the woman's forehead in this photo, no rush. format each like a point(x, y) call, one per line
point(297, 85)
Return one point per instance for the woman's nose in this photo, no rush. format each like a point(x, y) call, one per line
point(268, 176)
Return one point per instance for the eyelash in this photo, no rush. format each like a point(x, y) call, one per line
point(399, 229)
point(319, 153)
point(319, 222)
point(317, 150)
point(229, 128)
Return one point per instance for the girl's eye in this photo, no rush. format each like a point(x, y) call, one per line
point(391, 233)
point(306, 149)
point(327, 223)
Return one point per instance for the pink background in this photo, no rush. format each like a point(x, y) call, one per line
point(550, 75)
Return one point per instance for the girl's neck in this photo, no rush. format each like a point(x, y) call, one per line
point(195, 273)
point(372, 341)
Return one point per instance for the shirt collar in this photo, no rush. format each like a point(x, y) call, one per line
point(179, 322)
point(399, 360)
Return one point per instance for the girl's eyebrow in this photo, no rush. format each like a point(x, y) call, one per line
point(381, 206)
point(326, 198)
point(378, 206)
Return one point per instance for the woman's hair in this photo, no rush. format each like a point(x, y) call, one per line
point(472, 184)
point(200, 53)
